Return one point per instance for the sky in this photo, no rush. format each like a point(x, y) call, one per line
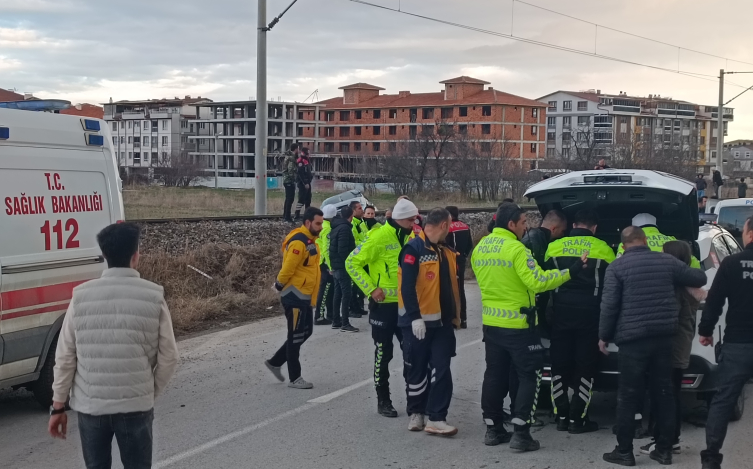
point(94, 50)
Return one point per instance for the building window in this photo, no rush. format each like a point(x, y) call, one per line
point(329, 147)
point(551, 152)
point(329, 116)
point(703, 140)
point(566, 137)
point(130, 139)
point(129, 124)
point(463, 129)
point(393, 113)
point(358, 114)
point(535, 113)
point(164, 140)
point(146, 141)
point(377, 114)
point(122, 140)
point(115, 140)
point(566, 122)
point(377, 130)
point(344, 147)
point(146, 125)
point(486, 146)
point(155, 159)
point(393, 146)
point(551, 136)
point(747, 155)
point(377, 146)
point(345, 131)
point(130, 155)
point(344, 115)
point(551, 122)
point(566, 152)
point(122, 125)
point(300, 116)
point(427, 113)
point(486, 111)
point(393, 130)
point(582, 106)
point(356, 130)
point(534, 130)
point(446, 113)
point(114, 126)
point(357, 146)
point(713, 141)
point(463, 111)
point(164, 124)
point(584, 121)
point(137, 157)
point(553, 106)
point(486, 129)
point(329, 131)
point(567, 106)
point(533, 148)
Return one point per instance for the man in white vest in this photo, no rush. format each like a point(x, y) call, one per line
point(116, 352)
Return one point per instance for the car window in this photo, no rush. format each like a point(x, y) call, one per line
point(734, 248)
point(720, 248)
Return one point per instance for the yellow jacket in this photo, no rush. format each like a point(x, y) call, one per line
point(300, 274)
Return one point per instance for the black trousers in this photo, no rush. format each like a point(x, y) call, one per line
point(511, 349)
point(304, 198)
point(638, 360)
point(575, 358)
point(677, 374)
point(383, 320)
point(289, 199)
point(300, 321)
point(341, 304)
point(461, 288)
point(326, 294)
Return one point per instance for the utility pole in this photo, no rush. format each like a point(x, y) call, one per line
point(720, 126)
point(260, 158)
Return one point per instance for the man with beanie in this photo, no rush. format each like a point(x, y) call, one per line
point(428, 314)
point(341, 244)
point(115, 354)
point(460, 239)
point(509, 279)
point(326, 286)
point(380, 254)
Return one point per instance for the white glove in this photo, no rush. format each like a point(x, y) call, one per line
point(419, 329)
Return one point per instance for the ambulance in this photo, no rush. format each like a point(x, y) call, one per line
point(59, 186)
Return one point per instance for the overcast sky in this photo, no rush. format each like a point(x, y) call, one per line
point(91, 50)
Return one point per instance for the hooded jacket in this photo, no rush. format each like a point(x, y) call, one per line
point(300, 273)
point(341, 242)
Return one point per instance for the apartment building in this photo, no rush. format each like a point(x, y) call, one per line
point(229, 128)
point(150, 133)
point(606, 120)
point(738, 156)
point(364, 122)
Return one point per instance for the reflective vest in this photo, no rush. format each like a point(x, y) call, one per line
point(380, 252)
point(300, 274)
point(360, 230)
point(656, 242)
point(509, 279)
point(323, 242)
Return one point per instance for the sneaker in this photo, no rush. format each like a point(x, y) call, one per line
point(711, 460)
point(621, 459)
point(496, 435)
point(662, 457)
point(300, 383)
point(523, 441)
point(583, 426)
point(386, 409)
point(336, 325)
point(276, 370)
point(562, 424)
point(440, 428)
point(416, 423)
point(348, 328)
point(356, 315)
point(323, 322)
point(646, 449)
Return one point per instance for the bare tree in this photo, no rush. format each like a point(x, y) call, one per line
point(178, 169)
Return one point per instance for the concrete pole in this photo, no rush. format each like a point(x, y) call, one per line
point(260, 158)
point(720, 129)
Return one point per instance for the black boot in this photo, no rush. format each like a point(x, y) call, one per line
point(711, 460)
point(562, 423)
point(619, 458)
point(384, 403)
point(496, 435)
point(661, 456)
point(522, 440)
point(579, 426)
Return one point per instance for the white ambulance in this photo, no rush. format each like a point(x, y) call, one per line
point(59, 186)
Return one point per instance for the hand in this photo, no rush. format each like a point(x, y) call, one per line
point(706, 341)
point(378, 295)
point(278, 286)
point(603, 347)
point(419, 329)
point(58, 426)
point(584, 258)
point(307, 186)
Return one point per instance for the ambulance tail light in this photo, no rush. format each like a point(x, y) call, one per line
point(691, 381)
point(4, 133)
point(95, 140)
point(90, 125)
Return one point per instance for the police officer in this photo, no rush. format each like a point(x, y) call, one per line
point(380, 253)
point(360, 232)
point(575, 324)
point(734, 283)
point(326, 285)
point(429, 313)
point(509, 278)
point(656, 238)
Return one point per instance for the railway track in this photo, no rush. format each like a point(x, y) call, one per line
point(152, 221)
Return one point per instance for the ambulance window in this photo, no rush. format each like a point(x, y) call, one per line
point(720, 247)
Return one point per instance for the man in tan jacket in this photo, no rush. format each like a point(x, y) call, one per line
point(116, 352)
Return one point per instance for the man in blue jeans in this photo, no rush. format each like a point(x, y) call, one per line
point(733, 282)
point(113, 387)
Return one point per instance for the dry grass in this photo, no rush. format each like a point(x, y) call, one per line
point(238, 291)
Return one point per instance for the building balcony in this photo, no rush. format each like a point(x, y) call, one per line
point(127, 115)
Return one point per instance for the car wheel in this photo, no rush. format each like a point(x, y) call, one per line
point(737, 413)
point(42, 387)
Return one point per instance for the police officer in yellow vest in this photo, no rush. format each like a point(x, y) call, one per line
point(575, 324)
point(360, 233)
point(655, 238)
point(509, 278)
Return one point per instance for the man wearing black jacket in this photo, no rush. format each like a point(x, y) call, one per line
point(341, 244)
point(733, 282)
point(460, 239)
point(305, 177)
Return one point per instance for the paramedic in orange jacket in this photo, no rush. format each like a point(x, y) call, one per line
point(428, 314)
point(298, 284)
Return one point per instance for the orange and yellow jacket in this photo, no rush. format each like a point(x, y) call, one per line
point(300, 274)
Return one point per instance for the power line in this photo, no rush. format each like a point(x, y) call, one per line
point(700, 76)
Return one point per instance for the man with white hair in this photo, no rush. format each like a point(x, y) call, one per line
point(380, 253)
point(655, 238)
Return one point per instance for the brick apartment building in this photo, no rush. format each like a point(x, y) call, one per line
point(364, 122)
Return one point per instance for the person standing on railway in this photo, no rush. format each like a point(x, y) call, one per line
point(115, 354)
point(509, 279)
point(380, 254)
point(305, 177)
point(326, 285)
point(429, 313)
point(460, 239)
point(289, 178)
point(733, 283)
point(298, 284)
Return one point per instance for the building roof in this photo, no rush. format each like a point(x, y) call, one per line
point(361, 86)
point(85, 110)
point(579, 94)
point(432, 99)
point(7, 95)
point(185, 101)
point(465, 80)
point(210, 103)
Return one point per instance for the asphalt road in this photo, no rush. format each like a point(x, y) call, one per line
point(224, 410)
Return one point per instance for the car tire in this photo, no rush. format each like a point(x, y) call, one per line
point(739, 409)
point(42, 387)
